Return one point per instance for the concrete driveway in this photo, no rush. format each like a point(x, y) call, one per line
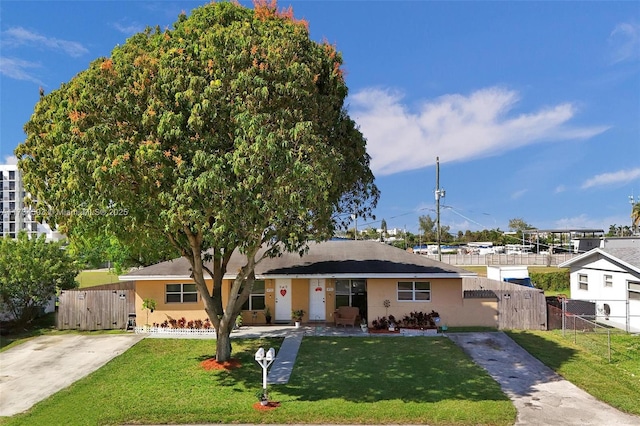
point(38, 368)
point(541, 396)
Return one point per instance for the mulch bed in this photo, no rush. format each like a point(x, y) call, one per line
point(383, 331)
point(270, 406)
point(212, 364)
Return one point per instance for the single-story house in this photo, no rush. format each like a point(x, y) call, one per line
point(379, 279)
point(610, 278)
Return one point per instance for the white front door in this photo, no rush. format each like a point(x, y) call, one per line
point(283, 300)
point(317, 310)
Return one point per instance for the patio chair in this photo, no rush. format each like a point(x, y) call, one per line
point(346, 315)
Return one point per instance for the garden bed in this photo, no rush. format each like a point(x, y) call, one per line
point(419, 331)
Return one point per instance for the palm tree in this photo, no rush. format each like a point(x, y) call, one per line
point(635, 216)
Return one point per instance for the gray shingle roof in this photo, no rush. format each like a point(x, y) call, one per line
point(630, 255)
point(327, 258)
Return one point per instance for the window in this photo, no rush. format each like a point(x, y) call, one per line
point(181, 293)
point(418, 291)
point(256, 298)
point(634, 290)
point(351, 293)
point(12, 174)
point(583, 282)
point(608, 280)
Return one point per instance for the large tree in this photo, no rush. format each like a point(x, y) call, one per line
point(519, 225)
point(227, 132)
point(31, 269)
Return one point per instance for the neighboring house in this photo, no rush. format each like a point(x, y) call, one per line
point(364, 274)
point(609, 277)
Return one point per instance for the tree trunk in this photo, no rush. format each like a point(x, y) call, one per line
point(223, 341)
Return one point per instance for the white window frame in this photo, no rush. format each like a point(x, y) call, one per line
point(182, 293)
point(607, 280)
point(413, 291)
point(633, 288)
point(583, 282)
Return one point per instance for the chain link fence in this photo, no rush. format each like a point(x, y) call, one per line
point(587, 326)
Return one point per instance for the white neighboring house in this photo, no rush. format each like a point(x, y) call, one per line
point(610, 277)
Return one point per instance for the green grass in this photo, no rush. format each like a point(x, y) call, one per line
point(617, 383)
point(544, 269)
point(93, 278)
point(376, 380)
point(565, 292)
point(481, 270)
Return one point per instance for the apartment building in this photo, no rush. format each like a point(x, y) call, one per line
point(15, 216)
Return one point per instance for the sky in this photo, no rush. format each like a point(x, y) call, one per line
point(533, 108)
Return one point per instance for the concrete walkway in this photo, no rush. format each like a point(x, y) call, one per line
point(285, 360)
point(40, 367)
point(541, 396)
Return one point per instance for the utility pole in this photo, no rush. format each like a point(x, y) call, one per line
point(439, 194)
point(355, 231)
point(633, 202)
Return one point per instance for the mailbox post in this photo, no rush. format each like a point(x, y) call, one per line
point(265, 359)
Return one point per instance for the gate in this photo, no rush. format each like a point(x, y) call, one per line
point(95, 309)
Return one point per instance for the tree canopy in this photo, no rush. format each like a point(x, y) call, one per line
point(518, 225)
point(228, 131)
point(30, 272)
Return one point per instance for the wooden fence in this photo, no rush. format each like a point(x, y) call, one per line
point(89, 309)
point(519, 307)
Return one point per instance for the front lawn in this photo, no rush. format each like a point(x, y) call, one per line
point(616, 383)
point(96, 277)
point(377, 380)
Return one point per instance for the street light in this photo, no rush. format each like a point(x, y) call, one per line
point(265, 359)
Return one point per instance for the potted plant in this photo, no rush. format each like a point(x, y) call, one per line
point(267, 315)
point(262, 396)
point(392, 323)
point(297, 316)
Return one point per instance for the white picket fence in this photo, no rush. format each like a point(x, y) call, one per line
point(176, 331)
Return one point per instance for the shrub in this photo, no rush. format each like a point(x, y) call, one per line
point(420, 320)
point(553, 281)
point(380, 323)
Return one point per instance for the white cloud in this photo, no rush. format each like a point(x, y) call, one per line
point(560, 188)
point(583, 221)
point(518, 194)
point(19, 69)
point(621, 176)
point(455, 127)
point(129, 29)
point(18, 36)
point(625, 42)
point(11, 159)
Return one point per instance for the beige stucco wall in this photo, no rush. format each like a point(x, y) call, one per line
point(190, 311)
point(166, 311)
point(446, 299)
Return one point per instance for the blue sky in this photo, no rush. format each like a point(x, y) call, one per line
point(532, 107)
